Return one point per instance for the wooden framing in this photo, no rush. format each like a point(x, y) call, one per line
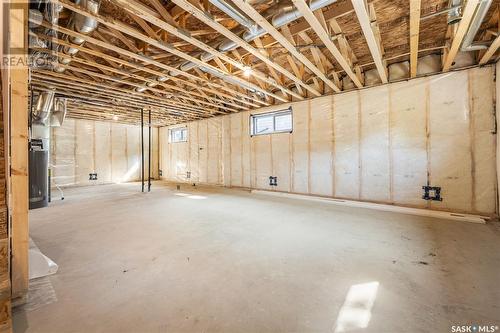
point(373, 44)
point(259, 19)
point(415, 6)
point(19, 155)
point(147, 40)
point(467, 16)
point(165, 47)
point(321, 31)
point(196, 12)
point(150, 17)
point(491, 51)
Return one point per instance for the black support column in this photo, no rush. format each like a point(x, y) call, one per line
point(142, 148)
point(150, 147)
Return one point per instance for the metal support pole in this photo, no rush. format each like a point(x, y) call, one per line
point(149, 152)
point(142, 148)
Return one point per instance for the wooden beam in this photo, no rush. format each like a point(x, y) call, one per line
point(199, 14)
point(467, 16)
point(181, 92)
point(164, 13)
point(147, 14)
point(168, 69)
point(19, 195)
point(415, 6)
point(371, 40)
point(270, 29)
point(324, 36)
point(491, 51)
point(110, 22)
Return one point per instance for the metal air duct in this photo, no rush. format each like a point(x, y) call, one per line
point(286, 14)
point(42, 107)
point(58, 113)
point(82, 24)
point(455, 11)
point(481, 11)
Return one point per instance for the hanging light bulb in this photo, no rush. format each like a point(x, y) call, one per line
point(247, 71)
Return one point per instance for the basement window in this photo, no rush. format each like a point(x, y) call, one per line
point(271, 122)
point(178, 134)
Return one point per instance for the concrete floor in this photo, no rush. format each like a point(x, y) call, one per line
point(222, 260)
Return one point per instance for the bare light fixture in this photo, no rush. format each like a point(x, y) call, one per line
point(247, 71)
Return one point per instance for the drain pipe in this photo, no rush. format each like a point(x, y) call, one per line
point(479, 16)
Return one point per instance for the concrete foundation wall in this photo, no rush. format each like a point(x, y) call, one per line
point(113, 151)
point(379, 144)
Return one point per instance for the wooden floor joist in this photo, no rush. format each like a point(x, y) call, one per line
point(373, 44)
point(322, 32)
point(149, 16)
point(259, 19)
point(198, 13)
point(415, 7)
point(237, 97)
point(110, 22)
point(467, 16)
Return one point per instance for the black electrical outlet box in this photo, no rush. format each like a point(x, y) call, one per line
point(160, 172)
point(273, 181)
point(432, 193)
point(92, 176)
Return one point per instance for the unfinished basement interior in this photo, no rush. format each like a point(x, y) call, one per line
point(253, 166)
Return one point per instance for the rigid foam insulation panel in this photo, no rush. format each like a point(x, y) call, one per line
point(214, 150)
point(408, 137)
point(62, 154)
point(300, 148)
point(346, 129)
point(321, 146)
point(194, 152)
point(235, 165)
point(113, 151)
point(374, 145)
point(102, 151)
point(380, 144)
point(84, 147)
point(119, 160)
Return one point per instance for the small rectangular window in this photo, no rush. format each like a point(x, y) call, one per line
point(178, 134)
point(271, 122)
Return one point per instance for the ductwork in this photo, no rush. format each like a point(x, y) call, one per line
point(285, 15)
point(42, 59)
point(42, 107)
point(49, 110)
point(234, 13)
point(455, 13)
point(58, 113)
point(82, 24)
point(481, 11)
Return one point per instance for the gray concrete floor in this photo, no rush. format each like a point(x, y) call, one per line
point(220, 260)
